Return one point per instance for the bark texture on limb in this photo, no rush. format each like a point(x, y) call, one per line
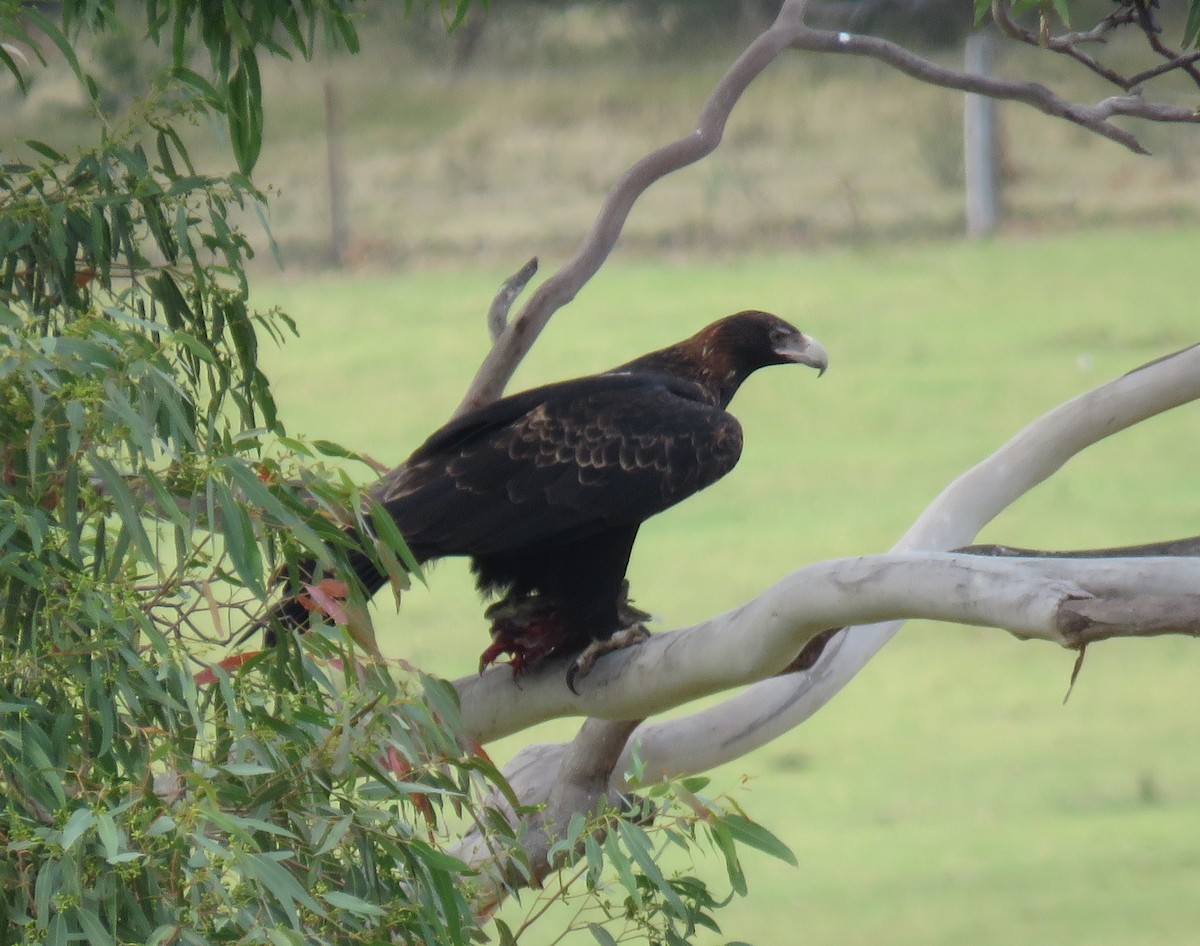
point(1025, 597)
point(765, 635)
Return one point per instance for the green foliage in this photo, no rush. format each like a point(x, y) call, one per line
point(147, 493)
point(613, 881)
point(149, 498)
point(243, 812)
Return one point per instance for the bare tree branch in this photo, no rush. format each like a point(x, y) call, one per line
point(1069, 602)
point(1093, 117)
point(1073, 603)
point(1183, 60)
point(1022, 596)
point(789, 31)
point(772, 707)
point(512, 346)
point(513, 286)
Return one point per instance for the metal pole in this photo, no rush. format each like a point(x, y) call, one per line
point(980, 140)
point(338, 234)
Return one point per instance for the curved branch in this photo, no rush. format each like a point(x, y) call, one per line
point(516, 340)
point(772, 707)
point(1071, 602)
point(1093, 117)
point(665, 672)
point(1023, 596)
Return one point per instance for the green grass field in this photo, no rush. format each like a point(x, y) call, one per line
point(947, 796)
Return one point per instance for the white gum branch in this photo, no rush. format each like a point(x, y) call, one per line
point(770, 708)
point(760, 638)
point(1026, 597)
point(1067, 601)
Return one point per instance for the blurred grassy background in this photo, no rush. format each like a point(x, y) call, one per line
point(947, 796)
point(511, 154)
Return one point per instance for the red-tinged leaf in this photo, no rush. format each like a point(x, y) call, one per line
point(327, 596)
point(334, 588)
point(208, 676)
point(398, 766)
point(397, 763)
point(478, 750)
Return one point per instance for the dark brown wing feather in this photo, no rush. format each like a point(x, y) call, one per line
point(559, 464)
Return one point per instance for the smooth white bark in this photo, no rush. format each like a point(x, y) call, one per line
point(769, 709)
point(757, 640)
point(1022, 596)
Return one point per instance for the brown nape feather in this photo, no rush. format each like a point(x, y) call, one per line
point(724, 354)
point(545, 490)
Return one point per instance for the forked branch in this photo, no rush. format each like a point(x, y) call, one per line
point(519, 335)
point(513, 339)
point(1069, 601)
point(1128, 13)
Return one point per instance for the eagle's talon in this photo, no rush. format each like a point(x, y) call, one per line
point(582, 665)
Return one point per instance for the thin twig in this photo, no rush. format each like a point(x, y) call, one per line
point(513, 286)
point(1093, 117)
point(1151, 29)
point(1067, 43)
point(1147, 74)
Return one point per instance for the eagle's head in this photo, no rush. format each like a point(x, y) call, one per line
point(726, 353)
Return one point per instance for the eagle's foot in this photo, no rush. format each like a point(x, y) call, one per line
point(526, 630)
point(582, 665)
point(627, 613)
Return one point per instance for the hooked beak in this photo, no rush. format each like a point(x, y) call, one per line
point(803, 349)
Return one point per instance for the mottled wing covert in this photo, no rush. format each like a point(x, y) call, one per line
point(560, 464)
